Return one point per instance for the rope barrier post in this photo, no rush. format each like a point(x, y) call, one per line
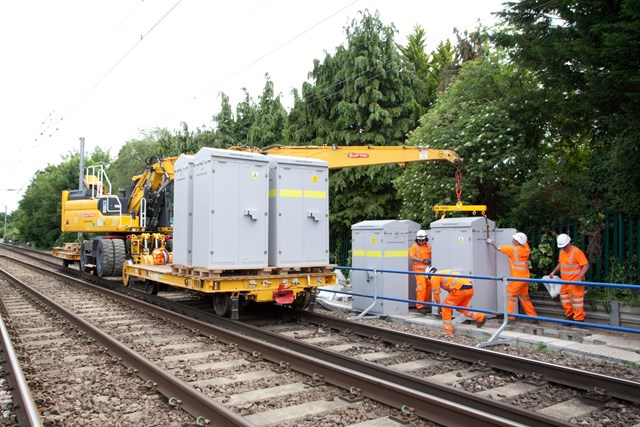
point(614, 316)
point(375, 299)
point(493, 340)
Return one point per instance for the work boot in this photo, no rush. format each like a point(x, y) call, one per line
point(480, 323)
point(423, 310)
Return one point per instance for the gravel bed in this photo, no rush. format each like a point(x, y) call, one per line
point(366, 410)
point(588, 364)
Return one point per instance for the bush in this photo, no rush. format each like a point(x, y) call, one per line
point(623, 272)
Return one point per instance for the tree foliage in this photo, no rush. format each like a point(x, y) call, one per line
point(479, 117)
point(586, 54)
point(363, 94)
point(270, 119)
point(132, 157)
point(225, 133)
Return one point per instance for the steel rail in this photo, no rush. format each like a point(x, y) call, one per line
point(199, 405)
point(435, 402)
point(25, 408)
point(587, 381)
point(583, 380)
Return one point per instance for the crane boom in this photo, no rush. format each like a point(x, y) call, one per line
point(366, 155)
point(135, 220)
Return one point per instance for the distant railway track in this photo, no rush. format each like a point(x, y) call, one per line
point(324, 359)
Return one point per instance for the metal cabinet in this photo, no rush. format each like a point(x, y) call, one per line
point(298, 212)
point(230, 209)
point(382, 245)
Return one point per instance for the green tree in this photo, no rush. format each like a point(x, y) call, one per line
point(225, 133)
point(442, 68)
point(132, 157)
point(362, 94)
point(435, 69)
point(490, 117)
point(586, 55)
point(181, 141)
point(585, 52)
point(270, 118)
point(246, 112)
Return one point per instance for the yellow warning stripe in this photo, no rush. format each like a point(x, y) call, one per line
point(394, 254)
point(290, 193)
point(315, 194)
point(307, 194)
point(379, 254)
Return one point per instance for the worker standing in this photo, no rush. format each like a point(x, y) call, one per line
point(518, 254)
point(573, 266)
point(420, 254)
point(460, 293)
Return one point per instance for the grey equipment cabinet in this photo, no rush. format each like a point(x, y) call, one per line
point(183, 210)
point(298, 212)
point(460, 244)
point(382, 245)
point(230, 209)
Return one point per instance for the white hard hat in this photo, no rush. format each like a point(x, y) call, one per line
point(520, 238)
point(563, 240)
point(421, 234)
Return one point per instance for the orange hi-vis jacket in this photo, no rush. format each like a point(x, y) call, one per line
point(422, 252)
point(518, 259)
point(448, 283)
point(571, 262)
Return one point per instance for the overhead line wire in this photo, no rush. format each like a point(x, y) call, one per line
point(269, 53)
point(353, 77)
point(118, 62)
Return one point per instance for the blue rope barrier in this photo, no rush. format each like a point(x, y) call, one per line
point(512, 279)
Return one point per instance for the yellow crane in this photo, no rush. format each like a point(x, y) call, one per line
point(133, 223)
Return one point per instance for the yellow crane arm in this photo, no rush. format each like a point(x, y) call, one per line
point(367, 155)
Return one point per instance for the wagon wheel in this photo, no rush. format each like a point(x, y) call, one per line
point(222, 304)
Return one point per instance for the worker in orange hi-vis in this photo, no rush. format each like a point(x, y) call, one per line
point(518, 254)
point(420, 254)
point(573, 266)
point(460, 293)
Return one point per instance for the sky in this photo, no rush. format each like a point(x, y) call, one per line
point(107, 71)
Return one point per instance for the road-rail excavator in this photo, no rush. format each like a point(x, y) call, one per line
point(132, 229)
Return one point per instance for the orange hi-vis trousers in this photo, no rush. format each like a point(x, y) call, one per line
point(423, 288)
point(460, 298)
point(519, 291)
point(572, 299)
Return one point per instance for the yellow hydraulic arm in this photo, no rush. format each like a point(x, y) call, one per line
point(366, 155)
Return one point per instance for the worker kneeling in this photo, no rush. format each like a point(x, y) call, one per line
point(460, 293)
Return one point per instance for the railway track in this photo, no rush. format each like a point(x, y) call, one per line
point(459, 381)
